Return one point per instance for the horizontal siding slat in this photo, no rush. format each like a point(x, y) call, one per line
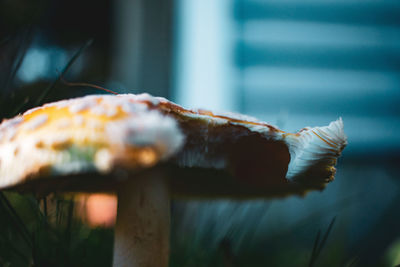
point(277, 32)
point(325, 91)
point(357, 82)
point(364, 58)
point(368, 12)
point(272, 101)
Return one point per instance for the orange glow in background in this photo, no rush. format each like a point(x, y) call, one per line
point(100, 210)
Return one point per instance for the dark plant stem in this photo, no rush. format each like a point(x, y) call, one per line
point(45, 207)
point(45, 210)
point(318, 246)
point(18, 107)
point(59, 211)
point(68, 229)
point(19, 57)
point(41, 97)
point(315, 249)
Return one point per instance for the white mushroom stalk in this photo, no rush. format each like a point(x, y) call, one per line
point(149, 150)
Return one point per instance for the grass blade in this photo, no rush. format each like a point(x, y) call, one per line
point(16, 251)
point(18, 107)
point(18, 58)
point(315, 248)
point(323, 242)
point(318, 246)
point(19, 223)
point(68, 231)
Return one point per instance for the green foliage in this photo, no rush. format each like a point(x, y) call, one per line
point(50, 241)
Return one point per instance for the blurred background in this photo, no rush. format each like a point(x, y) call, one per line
point(290, 63)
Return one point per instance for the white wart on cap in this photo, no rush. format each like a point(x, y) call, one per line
point(89, 134)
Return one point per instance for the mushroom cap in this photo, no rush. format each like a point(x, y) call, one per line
point(91, 143)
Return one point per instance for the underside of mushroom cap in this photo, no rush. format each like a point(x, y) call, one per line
point(205, 153)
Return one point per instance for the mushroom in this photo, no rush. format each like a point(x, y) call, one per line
point(148, 149)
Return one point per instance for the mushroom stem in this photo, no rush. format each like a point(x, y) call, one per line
point(143, 222)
